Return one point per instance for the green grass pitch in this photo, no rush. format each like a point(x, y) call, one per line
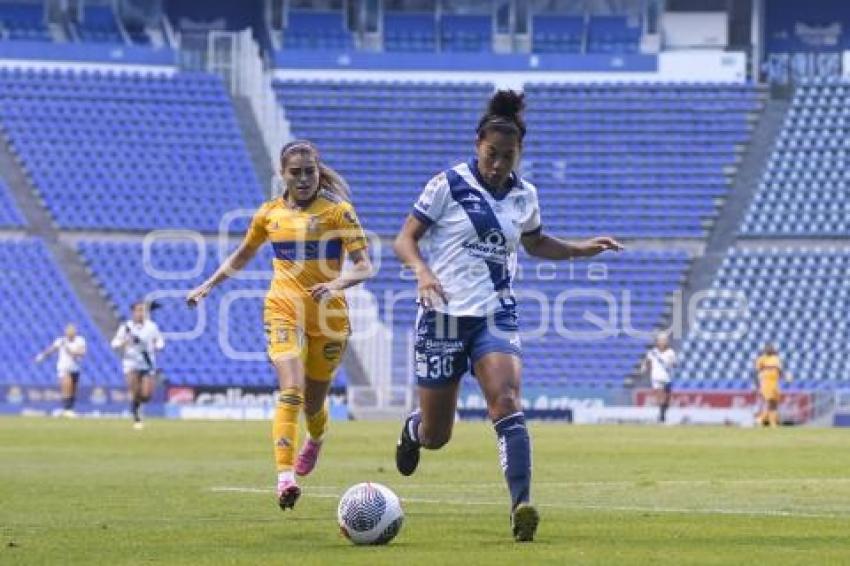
point(97, 492)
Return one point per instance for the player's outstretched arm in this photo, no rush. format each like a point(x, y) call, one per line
point(234, 262)
point(46, 352)
point(548, 247)
point(406, 247)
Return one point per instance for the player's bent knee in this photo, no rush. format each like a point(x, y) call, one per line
point(505, 404)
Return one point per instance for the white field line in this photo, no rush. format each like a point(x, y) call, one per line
point(618, 483)
point(503, 503)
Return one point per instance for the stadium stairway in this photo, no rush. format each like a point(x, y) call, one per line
point(40, 224)
point(254, 143)
point(724, 232)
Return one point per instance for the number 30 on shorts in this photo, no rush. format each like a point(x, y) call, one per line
point(435, 366)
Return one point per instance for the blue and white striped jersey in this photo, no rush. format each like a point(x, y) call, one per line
point(474, 236)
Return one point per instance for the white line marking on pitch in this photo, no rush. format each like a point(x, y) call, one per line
point(616, 483)
point(628, 508)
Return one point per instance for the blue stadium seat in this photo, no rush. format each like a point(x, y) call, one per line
point(795, 299)
point(107, 149)
point(321, 30)
point(807, 171)
point(98, 25)
point(24, 21)
point(409, 31)
point(557, 34)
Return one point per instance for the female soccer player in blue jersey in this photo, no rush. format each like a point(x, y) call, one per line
point(477, 214)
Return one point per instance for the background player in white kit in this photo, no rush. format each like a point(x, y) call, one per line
point(140, 339)
point(477, 214)
point(72, 349)
point(659, 364)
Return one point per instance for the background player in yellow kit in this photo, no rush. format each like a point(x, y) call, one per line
point(310, 226)
point(769, 372)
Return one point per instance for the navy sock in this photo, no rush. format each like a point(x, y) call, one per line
point(515, 456)
point(134, 409)
point(67, 403)
point(412, 425)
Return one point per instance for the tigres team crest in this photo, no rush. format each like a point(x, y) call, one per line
point(313, 224)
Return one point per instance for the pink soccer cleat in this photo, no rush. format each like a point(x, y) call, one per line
point(308, 457)
point(288, 493)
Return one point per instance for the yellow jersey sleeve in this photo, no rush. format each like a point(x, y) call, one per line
point(257, 233)
point(350, 231)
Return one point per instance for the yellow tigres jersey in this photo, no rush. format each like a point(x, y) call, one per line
point(308, 244)
point(769, 368)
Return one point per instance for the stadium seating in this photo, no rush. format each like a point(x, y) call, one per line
point(10, 216)
point(134, 151)
point(37, 302)
point(797, 299)
point(466, 32)
point(557, 34)
point(202, 360)
point(409, 31)
point(612, 34)
point(98, 25)
point(23, 20)
point(411, 131)
point(632, 160)
point(803, 191)
point(316, 30)
point(633, 286)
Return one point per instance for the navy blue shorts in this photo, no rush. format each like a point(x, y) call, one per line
point(447, 346)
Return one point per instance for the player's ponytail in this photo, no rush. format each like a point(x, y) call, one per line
point(332, 181)
point(504, 115)
point(329, 179)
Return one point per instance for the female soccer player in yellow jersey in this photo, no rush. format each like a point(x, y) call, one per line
point(768, 373)
point(305, 312)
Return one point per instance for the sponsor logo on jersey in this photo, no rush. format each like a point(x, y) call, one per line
point(470, 198)
point(332, 351)
point(491, 247)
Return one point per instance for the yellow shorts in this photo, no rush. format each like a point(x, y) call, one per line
point(320, 354)
point(770, 392)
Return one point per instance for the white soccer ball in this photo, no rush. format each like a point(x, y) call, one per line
point(370, 513)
